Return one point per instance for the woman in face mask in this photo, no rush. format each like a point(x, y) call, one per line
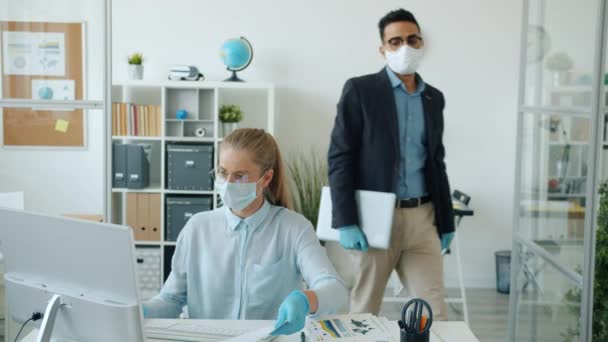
point(247, 259)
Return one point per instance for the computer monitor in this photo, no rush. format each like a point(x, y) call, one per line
point(85, 268)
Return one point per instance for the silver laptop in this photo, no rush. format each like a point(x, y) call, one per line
point(375, 210)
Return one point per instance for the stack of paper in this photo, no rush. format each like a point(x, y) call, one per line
point(189, 331)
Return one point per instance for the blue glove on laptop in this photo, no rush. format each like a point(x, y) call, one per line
point(352, 237)
point(446, 240)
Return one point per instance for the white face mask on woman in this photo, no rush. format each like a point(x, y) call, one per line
point(405, 60)
point(237, 196)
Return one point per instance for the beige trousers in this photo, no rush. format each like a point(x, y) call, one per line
point(414, 252)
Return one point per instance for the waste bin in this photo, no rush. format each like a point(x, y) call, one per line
point(503, 271)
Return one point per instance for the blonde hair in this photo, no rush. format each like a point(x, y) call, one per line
point(266, 154)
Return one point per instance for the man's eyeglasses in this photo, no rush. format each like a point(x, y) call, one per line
point(412, 40)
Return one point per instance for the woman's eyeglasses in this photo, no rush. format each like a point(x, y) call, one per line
point(221, 176)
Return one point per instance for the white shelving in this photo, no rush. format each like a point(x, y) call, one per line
point(187, 192)
point(202, 101)
point(118, 138)
point(190, 139)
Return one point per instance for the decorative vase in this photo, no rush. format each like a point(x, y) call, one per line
point(136, 72)
point(228, 127)
point(561, 78)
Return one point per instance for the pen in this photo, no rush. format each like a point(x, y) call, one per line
point(302, 337)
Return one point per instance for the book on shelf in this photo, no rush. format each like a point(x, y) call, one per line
point(137, 120)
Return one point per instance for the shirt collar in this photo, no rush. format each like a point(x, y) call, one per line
point(396, 82)
point(253, 221)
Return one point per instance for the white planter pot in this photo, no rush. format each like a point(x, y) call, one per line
point(561, 78)
point(228, 127)
point(136, 72)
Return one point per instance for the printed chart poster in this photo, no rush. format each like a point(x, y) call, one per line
point(53, 90)
point(33, 53)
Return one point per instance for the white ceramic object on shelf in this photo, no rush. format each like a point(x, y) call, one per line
point(136, 72)
point(229, 127)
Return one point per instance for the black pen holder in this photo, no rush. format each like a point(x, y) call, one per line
point(415, 337)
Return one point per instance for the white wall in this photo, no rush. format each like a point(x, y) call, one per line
point(60, 181)
point(309, 48)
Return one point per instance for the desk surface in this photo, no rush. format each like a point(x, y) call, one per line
point(445, 331)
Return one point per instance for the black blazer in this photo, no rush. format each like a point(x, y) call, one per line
point(364, 152)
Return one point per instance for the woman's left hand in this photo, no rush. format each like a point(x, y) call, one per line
point(292, 314)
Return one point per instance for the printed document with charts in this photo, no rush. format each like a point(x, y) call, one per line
point(350, 328)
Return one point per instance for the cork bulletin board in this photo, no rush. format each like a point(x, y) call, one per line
point(42, 61)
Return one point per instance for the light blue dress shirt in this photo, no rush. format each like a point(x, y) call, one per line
point(410, 115)
point(225, 267)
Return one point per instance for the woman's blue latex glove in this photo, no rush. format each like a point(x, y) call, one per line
point(292, 314)
point(446, 240)
point(352, 237)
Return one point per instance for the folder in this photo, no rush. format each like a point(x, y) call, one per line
point(154, 217)
point(119, 165)
point(138, 167)
point(143, 213)
point(375, 212)
point(139, 231)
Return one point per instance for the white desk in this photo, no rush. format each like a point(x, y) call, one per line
point(446, 331)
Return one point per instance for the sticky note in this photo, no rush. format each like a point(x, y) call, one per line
point(62, 125)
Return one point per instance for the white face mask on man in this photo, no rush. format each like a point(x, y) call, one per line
point(238, 196)
point(405, 60)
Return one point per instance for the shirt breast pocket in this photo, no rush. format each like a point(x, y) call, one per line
point(265, 288)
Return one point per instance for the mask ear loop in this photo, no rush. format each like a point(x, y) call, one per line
point(267, 195)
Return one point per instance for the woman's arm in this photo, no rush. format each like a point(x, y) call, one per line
point(327, 293)
point(172, 298)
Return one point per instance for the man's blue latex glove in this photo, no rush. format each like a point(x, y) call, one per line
point(292, 314)
point(352, 237)
point(446, 240)
point(143, 308)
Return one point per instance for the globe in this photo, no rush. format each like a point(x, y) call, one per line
point(236, 53)
point(45, 93)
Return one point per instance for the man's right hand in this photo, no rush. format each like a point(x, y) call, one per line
point(352, 237)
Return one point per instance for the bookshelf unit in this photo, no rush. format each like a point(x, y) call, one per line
point(202, 101)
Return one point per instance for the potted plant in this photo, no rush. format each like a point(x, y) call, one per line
point(230, 116)
point(136, 67)
point(308, 174)
point(560, 64)
point(600, 282)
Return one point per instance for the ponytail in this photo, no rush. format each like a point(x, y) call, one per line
point(265, 153)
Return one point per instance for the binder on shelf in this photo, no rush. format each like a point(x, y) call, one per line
point(138, 166)
point(154, 217)
point(119, 165)
point(143, 215)
point(139, 231)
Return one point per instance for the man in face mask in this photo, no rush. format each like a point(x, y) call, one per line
point(388, 137)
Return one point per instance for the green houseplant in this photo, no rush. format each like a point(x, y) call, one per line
point(136, 67)
point(600, 285)
point(308, 174)
point(230, 116)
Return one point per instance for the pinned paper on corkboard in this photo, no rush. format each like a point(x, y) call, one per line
point(47, 63)
point(62, 125)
